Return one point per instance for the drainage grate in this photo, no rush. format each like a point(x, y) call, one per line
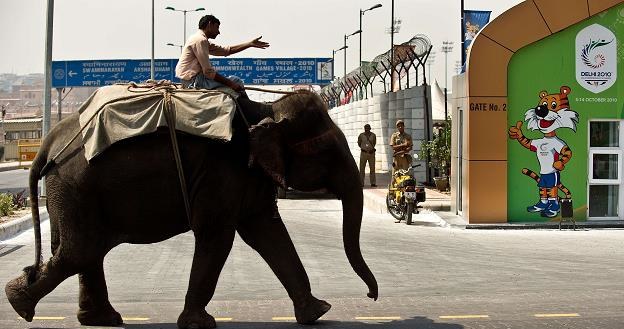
point(6, 249)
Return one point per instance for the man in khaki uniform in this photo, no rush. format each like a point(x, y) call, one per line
point(401, 144)
point(366, 142)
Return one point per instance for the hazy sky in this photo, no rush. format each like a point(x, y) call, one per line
point(121, 29)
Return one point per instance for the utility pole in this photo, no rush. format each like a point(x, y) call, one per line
point(392, 48)
point(152, 61)
point(47, 94)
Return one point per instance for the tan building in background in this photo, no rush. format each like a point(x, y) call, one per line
point(480, 129)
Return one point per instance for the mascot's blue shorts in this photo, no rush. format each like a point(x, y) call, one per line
point(549, 180)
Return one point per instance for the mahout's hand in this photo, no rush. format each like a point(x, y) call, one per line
point(257, 43)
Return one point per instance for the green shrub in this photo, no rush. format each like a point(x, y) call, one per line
point(6, 204)
point(439, 149)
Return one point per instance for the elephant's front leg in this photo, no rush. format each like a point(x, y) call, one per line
point(95, 308)
point(269, 237)
point(211, 251)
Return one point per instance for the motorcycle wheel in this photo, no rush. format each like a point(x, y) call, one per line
point(408, 213)
point(393, 208)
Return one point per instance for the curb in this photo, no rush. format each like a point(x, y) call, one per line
point(7, 168)
point(15, 227)
point(14, 165)
point(548, 226)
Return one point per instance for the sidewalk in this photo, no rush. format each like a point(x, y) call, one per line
point(435, 210)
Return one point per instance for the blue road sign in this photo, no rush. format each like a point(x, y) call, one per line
point(253, 71)
point(106, 72)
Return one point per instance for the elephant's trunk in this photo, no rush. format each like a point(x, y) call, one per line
point(352, 202)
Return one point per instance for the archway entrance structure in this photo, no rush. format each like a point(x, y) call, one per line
point(481, 99)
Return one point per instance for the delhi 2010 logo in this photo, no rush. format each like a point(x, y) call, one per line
point(596, 59)
point(591, 54)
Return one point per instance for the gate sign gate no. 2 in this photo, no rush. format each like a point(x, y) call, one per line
point(253, 71)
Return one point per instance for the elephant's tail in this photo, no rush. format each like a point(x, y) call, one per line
point(33, 182)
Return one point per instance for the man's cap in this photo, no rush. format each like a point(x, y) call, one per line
point(400, 122)
point(367, 126)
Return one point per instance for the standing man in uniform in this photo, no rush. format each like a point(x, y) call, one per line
point(366, 142)
point(194, 68)
point(401, 144)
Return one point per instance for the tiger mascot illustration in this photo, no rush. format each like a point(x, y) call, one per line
point(551, 113)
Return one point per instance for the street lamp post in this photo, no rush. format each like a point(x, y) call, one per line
point(184, 11)
point(174, 45)
point(333, 59)
point(430, 61)
point(345, 53)
point(362, 14)
point(447, 47)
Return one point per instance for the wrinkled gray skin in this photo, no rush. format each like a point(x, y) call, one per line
point(130, 194)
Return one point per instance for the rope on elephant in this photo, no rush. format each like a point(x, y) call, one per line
point(272, 91)
point(167, 84)
point(170, 118)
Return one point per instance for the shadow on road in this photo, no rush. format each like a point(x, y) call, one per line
point(417, 322)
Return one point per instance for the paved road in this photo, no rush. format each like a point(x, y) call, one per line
point(14, 181)
point(429, 277)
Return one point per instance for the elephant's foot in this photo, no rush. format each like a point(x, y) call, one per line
point(199, 319)
point(17, 294)
point(311, 310)
point(100, 316)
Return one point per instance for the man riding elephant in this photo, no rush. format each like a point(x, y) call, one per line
point(194, 68)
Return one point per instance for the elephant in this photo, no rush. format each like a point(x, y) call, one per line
point(130, 193)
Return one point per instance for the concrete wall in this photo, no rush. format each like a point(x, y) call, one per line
point(382, 112)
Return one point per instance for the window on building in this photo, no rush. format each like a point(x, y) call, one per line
point(605, 174)
point(30, 134)
point(12, 135)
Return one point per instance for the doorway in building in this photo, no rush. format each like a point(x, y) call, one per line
point(605, 197)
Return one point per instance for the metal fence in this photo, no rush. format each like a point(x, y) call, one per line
point(408, 56)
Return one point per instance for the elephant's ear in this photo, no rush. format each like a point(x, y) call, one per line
point(266, 149)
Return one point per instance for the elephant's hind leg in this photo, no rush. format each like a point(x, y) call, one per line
point(95, 308)
point(24, 297)
point(212, 247)
point(270, 239)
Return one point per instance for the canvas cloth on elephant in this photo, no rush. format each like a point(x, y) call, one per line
point(122, 111)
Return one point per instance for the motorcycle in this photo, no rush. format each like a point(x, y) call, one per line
point(404, 194)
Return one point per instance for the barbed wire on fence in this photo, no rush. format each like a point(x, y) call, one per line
point(412, 54)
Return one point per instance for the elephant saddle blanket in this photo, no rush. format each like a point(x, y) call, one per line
point(121, 111)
